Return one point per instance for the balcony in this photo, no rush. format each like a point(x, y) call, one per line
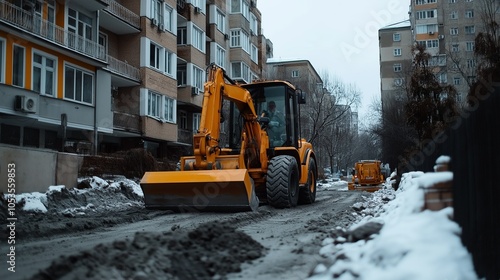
point(118, 19)
point(45, 30)
point(125, 70)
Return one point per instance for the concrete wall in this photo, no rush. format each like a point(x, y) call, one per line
point(36, 170)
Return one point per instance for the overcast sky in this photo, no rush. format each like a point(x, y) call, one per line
point(339, 37)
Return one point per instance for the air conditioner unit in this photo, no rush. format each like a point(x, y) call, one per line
point(441, 37)
point(154, 22)
point(194, 91)
point(197, 10)
point(161, 28)
point(226, 36)
point(431, 32)
point(25, 104)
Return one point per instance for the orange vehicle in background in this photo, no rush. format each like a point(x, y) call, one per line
point(367, 176)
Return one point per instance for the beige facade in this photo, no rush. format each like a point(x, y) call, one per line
point(131, 77)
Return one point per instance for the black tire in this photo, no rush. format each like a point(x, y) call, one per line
point(282, 183)
point(307, 194)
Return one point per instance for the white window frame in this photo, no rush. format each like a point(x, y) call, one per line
point(155, 55)
point(84, 73)
point(197, 77)
point(454, 31)
point(455, 47)
point(397, 67)
point(469, 46)
point(218, 54)
point(197, 37)
point(295, 73)
point(397, 52)
point(196, 122)
point(253, 24)
point(454, 15)
point(396, 37)
point(170, 19)
point(469, 13)
point(457, 81)
point(44, 69)
point(154, 104)
point(220, 21)
point(169, 109)
point(182, 35)
point(240, 70)
point(156, 10)
point(470, 29)
point(182, 72)
point(254, 53)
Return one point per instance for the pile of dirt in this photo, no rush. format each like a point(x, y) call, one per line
point(209, 252)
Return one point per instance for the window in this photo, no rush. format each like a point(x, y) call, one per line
point(221, 21)
point(197, 78)
point(239, 38)
point(396, 37)
point(198, 38)
point(397, 52)
point(253, 24)
point(457, 81)
point(423, 2)
point(454, 31)
point(454, 15)
point(79, 30)
point(240, 7)
point(169, 109)
point(154, 104)
point(426, 28)
point(169, 19)
point(196, 122)
point(254, 54)
point(103, 42)
point(18, 66)
point(170, 62)
point(154, 56)
point(31, 137)
point(43, 74)
point(295, 73)
point(452, 1)
point(471, 63)
point(181, 75)
point(78, 84)
point(240, 70)
point(397, 67)
point(156, 11)
point(11, 134)
point(470, 29)
point(183, 120)
point(469, 13)
point(200, 4)
point(443, 77)
point(432, 43)
point(426, 14)
point(455, 47)
point(469, 46)
point(182, 36)
point(220, 56)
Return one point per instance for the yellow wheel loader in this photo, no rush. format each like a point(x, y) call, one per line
point(366, 176)
point(262, 159)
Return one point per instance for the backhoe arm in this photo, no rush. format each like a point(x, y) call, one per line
point(206, 140)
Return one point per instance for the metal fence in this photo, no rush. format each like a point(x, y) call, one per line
point(473, 146)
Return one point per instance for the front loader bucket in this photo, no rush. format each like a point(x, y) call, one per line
point(200, 190)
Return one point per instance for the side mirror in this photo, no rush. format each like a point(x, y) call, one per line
point(301, 96)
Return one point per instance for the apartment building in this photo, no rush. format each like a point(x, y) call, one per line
point(395, 42)
point(447, 28)
point(103, 75)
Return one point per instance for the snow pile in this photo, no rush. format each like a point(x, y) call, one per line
point(93, 192)
point(412, 244)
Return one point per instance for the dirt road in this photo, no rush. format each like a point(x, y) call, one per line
point(134, 243)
